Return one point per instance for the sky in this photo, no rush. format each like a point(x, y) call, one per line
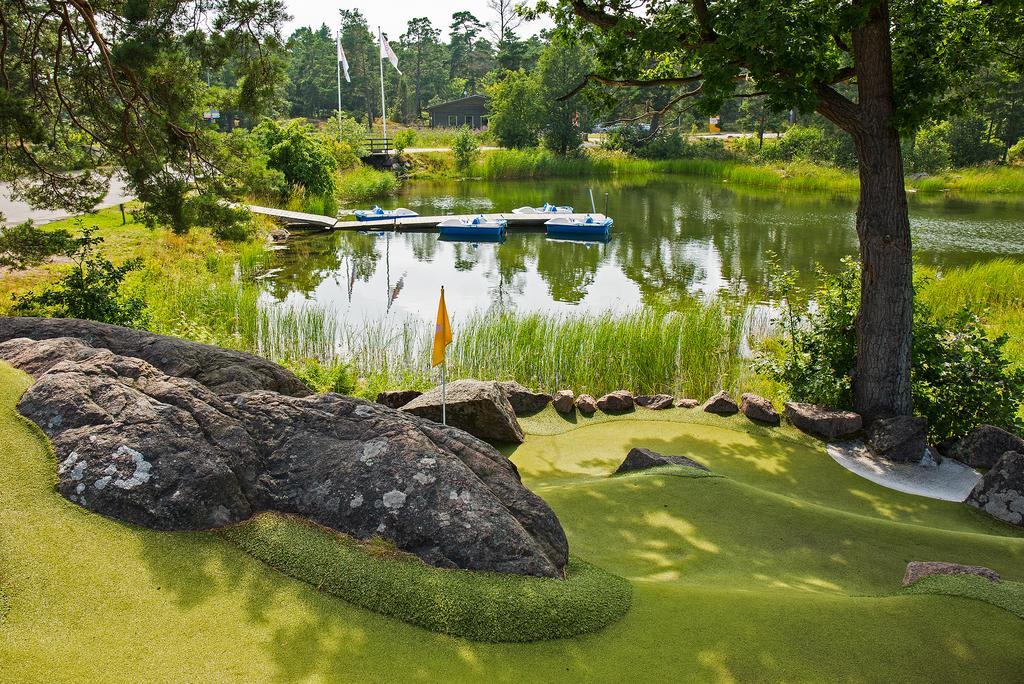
point(392, 15)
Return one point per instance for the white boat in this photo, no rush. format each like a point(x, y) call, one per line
point(478, 226)
point(378, 214)
point(590, 225)
point(546, 209)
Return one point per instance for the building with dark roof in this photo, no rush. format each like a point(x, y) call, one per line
point(471, 111)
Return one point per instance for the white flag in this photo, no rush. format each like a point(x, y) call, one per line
point(341, 58)
point(386, 51)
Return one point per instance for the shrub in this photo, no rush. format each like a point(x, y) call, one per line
point(808, 143)
point(516, 113)
point(296, 152)
point(91, 290)
point(465, 149)
point(325, 376)
point(403, 139)
point(24, 245)
point(969, 144)
point(929, 151)
point(960, 377)
point(1015, 155)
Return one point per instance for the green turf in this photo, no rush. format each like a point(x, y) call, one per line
point(482, 606)
point(1006, 595)
point(787, 568)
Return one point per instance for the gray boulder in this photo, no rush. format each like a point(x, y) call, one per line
point(396, 399)
point(642, 459)
point(524, 401)
point(822, 422)
point(478, 407)
point(138, 445)
point(222, 370)
point(918, 569)
point(564, 401)
point(759, 409)
point(687, 403)
point(722, 404)
point(586, 404)
point(1000, 492)
point(900, 438)
point(655, 402)
point(983, 446)
point(618, 401)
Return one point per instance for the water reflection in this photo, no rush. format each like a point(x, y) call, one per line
point(674, 238)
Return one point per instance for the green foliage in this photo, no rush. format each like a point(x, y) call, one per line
point(24, 245)
point(91, 290)
point(301, 156)
point(365, 183)
point(930, 151)
point(960, 377)
point(482, 606)
point(227, 221)
point(465, 149)
point(969, 144)
point(812, 144)
point(517, 112)
point(562, 65)
point(1015, 155)
point(324, 376)
point(403, 139)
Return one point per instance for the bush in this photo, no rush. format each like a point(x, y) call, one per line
point(91, 290)
point(296, 152)
point(969, 144)
point(403, 139)
point(960, 377)
point(325, 376)
point(516, 113)
point(929, 151)
point(466, 150)
point(807, 143)
point(1015, 155)
point(24, 245)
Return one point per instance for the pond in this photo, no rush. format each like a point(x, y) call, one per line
point(674, 238)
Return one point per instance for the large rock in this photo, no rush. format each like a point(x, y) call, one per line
point(655, 402)
point(524, 401)
point(642, 459)
point(759, 409)
point(564, 401)
point(222, 370)
point(983, 446)
point(822, 422)
point(618, 401)
point(900, 438)
point(1000, 492)
point(396, 399)
point(136, 444)
point(478, 407)
point(586, 404)
point(722, 404)
point(918, 569)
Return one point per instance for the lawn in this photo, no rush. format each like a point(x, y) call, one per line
point(784, 568)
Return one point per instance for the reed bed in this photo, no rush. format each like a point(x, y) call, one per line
point(364, 183)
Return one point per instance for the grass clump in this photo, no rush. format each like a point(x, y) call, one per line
point(1006, 595)
point(980, 180)
point(365, 183)
point(482, 606)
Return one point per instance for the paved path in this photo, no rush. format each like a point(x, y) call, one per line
point(15, 211)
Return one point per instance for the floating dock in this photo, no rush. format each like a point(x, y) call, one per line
point(297, 218)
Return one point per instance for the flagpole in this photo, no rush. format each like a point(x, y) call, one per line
point(383, 109)
point(444, 407)
point(339, 81)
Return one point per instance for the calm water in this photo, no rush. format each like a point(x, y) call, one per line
point(673, 239)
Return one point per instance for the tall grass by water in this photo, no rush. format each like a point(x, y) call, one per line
point(363, 183)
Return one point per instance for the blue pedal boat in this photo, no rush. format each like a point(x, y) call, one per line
point(477, 228)
point(588, 227)
point(546, 209)
point(378, 214)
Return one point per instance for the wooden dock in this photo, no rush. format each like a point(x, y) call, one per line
point(298, 218)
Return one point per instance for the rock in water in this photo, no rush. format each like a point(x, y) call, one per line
point(721, 404)
point(138, 445)
point(222, 370)
point(618, 401)
point(822, 422)
point(586, 404)
point(759, 409)
point(480, 408)
point(900, 439)
point(918, 569)
point(396, 399)
point(655, 402)
point(642, 459)
point(524, 401)
point(1000, 493)
point(564, 401)
point(983, 446)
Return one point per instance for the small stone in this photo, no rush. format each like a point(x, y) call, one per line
point(396, 399)
point(641, 459)
point(618, 401)
point(918, 569)
point(900, 438)
point(722, 404)
point(687, 403)
point(655, 402)
point(586, 404)
point(822, 422)
point(759, 409)
point(564, 401)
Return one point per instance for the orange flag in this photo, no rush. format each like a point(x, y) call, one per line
point(442, 333)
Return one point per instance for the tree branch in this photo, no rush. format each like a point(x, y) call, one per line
point(630, 82)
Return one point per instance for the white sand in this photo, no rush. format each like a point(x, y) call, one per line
point(949, 480)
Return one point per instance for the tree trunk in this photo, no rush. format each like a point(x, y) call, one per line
point(881, 383)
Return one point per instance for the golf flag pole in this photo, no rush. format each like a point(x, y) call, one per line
point(383, 109)
point(442, 338)
point(341, 57)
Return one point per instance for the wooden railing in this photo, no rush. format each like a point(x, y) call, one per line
point(378, 145)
